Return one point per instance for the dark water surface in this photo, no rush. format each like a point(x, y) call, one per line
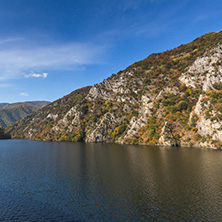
point(49, 181)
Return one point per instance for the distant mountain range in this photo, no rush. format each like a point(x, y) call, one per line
point(173, 98)
point(12, 112)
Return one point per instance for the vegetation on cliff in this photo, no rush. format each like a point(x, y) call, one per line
point(3, 134)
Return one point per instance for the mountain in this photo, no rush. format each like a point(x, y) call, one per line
point(171, 98)
point(3, 104)
point(10, 113)
point(39, 104)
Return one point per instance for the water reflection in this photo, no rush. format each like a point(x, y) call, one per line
point(108, 182)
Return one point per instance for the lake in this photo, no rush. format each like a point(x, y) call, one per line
point(56, 181)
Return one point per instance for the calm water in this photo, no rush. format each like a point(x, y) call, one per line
point(47, 181)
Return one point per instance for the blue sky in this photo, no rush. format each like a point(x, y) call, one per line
point(49, 48)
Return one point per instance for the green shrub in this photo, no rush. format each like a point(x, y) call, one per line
point(217, 85)
point(118, 131)
point(220, 109)
point(182, 105)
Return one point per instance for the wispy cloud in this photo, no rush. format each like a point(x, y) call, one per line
point(147, 25)
point(4, 85)
point(24, 94)
point(36, 75)
point(132, 4)
point(17, 60)
point(9, 40)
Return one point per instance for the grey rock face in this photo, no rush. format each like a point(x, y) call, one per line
point(202, 72)
point(100, 133)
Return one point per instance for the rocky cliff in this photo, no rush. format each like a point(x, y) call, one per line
point(171, 98)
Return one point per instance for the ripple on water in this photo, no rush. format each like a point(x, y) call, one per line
point(42, 181)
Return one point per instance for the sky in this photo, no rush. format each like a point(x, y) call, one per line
point(48, 48)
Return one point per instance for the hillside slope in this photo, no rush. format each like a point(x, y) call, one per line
point(10, 113)
point(171, 98)
point(3, 134)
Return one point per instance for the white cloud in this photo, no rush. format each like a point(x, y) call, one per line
point(44, 75)
point(17, 58)
point(24, 94)
point(36, 75)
